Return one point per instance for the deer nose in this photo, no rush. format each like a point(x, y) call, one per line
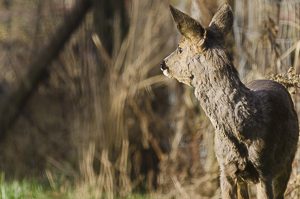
point(163, 66)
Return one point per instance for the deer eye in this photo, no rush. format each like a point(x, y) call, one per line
point(179, 50)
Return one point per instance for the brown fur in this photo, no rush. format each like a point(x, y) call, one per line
point(256, 124)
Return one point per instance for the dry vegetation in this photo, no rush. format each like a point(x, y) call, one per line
point(104, 122)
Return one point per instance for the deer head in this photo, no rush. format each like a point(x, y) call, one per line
point(194, 44)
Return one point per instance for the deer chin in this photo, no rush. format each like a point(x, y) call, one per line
point(185, 80)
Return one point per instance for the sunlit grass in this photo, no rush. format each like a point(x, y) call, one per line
point(32, 190)
point(137, 196)
point(18, 190)
point(26, 190)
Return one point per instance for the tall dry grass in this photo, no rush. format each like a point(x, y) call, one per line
point(113, 99)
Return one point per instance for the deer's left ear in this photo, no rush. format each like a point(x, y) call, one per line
point(222, 20)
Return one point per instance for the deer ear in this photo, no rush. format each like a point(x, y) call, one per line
point(187, 26)
point(222, 20)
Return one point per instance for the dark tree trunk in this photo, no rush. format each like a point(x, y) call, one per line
point(12, 102)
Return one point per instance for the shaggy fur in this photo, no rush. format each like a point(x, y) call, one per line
point(256, 124)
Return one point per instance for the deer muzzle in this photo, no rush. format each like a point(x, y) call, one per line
point(165, 69)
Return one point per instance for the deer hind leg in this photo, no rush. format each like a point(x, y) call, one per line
point(242, 190)
point(265, 189)
point(228, 187)
point(281, 182)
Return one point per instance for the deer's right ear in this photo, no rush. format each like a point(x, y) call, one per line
point(187, 26)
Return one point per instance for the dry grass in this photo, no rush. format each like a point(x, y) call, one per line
point(291, 80)
point(130, 75)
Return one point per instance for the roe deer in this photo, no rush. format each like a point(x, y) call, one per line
point(256, 124)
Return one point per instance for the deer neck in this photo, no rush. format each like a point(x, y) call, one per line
point(225, 99)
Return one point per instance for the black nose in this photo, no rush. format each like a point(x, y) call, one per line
point(163, 66)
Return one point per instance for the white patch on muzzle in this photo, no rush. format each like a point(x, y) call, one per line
point(166, 73)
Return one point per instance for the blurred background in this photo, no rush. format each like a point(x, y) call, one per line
point(86, 113)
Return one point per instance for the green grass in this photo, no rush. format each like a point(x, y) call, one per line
point(26, 190)
point(137, 196)
point(20, 190)
point(32, 190)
